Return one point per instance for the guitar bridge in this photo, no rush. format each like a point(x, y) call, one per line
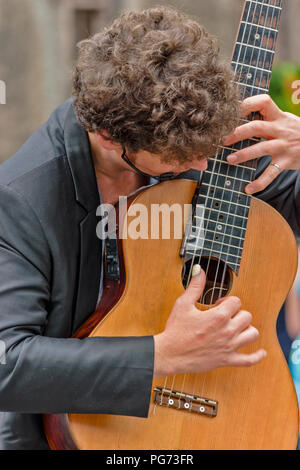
point(184, 401)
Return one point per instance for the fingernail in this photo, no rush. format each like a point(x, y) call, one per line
point(196, 270)
point(232, 159)
point(249, 190)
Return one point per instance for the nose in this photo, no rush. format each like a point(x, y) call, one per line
point(205, 165)
point(200, 165)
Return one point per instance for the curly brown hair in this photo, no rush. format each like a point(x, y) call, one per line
point(154, 81)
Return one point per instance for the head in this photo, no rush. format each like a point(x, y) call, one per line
point(154, 83)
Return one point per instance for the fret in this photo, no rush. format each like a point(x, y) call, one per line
point(236, 242)
point(218, 216)
point(231, 219)
point(210, 254)
point(226, 202)
point(226, 206)
point(255, 57)
point(257, 36)
point(231, 170)
point(252, 76)
point(214, 250)
point(235, 230)
point(218, 245)
point(262, 14)
point(219, 175)
point(213, 187)
point(220, 232)
point(192, 243)
point(253, 139)
point(255, 25)
point(222, 228)
point(256, 42)
point(231, 167)
point(253, 86)
point(218, 187)
point(249, 90)
point(234, 238)
point(256, 47)
point(251, 67)
point(268, 4)
point(237, 146)
point(232, 222)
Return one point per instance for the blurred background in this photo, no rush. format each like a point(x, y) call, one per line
point(38, 49)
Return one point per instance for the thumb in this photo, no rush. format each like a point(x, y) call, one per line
point(219, 301)
point(197, 284)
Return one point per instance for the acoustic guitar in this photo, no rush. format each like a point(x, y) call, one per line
point(247, 250)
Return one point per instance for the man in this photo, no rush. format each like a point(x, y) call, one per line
point(153, 85)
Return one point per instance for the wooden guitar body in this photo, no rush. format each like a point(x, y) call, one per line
point(256, 406)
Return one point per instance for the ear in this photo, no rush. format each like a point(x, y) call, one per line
point(107, 143)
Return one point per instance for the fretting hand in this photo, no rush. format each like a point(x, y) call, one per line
point(282, 133)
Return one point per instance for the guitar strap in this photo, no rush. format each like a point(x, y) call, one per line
point(111, 256)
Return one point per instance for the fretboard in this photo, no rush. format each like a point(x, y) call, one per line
point(254, 50)
point(226, 206)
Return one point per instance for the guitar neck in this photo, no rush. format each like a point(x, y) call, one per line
point(254, 51)
point(226, 206)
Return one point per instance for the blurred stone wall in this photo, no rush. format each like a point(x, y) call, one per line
point(221, 18)
point(37, 50)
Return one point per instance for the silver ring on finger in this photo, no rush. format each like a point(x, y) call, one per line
point(276, 166)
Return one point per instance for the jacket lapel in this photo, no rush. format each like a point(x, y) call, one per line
point(87, 196)
point(89, 271)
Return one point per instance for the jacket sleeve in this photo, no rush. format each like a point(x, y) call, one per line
point(283, 194)
point(40, 374)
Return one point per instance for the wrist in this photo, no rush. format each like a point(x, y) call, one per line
point(162, 363)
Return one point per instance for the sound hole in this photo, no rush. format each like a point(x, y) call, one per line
point(218, 278)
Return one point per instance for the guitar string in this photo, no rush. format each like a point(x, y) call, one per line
point(258, 58)
point(245, 76)
point(264, 35)
point(263, 38)
point(251, 372)
point(201, 249)
point(244, 93)
point(254, 31)
point(221, 159)
point(218, 185)
point(191, 266)
point(190, 273)
point(239, 75)
point(250, 85)
point(264, 25)
point(173, 378)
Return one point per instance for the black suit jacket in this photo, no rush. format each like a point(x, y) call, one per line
point(50, 266)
